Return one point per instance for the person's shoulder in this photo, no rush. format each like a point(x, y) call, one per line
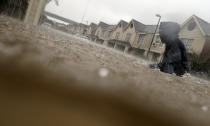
point(180, 43)
point(179, 40)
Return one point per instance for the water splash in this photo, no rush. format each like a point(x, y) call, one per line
point(169, 79)
point(204, 108)
point(103, 72)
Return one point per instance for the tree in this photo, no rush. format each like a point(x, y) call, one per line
point(199, 64)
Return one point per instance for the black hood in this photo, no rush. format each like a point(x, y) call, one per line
point(169, 31)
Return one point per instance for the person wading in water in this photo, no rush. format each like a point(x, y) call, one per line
point(175, 56)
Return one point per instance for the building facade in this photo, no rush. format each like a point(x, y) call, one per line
point(119, 30)
point(100, 30)
point(195, 34)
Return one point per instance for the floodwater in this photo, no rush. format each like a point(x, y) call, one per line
point(109, 69)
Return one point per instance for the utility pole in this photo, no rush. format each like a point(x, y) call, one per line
point(84, 14)
point(157, 15)
point(85, 11)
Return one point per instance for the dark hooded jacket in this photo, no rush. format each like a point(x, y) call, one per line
point(175, 56)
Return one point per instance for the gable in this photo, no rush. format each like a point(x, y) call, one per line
point(203, 26)
point(98, 30)
point(191, 29)
point(128, 27)
point(117, 29)
point(190, 26)
point(137, 26)
point(121, 25)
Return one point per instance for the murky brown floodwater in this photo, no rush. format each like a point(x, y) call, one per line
point(103, 69)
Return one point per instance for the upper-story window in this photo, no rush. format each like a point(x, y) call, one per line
point(188, 43)
point(191, 26)
point(131, 26)
point(141, 38)
point(120, 25)
point(117, 35)
point(128, 37)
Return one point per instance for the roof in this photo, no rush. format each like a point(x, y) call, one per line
point(71, 22)
point(202, 24)
point(83, 25)
point(110, 27)
point(103, 25)
point(123, 23)
point(93, 26)
point(142, 28)
point(139, 27)
point(150, 28)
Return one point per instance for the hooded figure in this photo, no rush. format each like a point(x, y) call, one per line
point(175, 56)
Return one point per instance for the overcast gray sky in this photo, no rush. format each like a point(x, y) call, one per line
point(111, 11)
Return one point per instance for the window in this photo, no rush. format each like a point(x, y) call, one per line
point(128, 37)
point(191, 26)
point(117, 35)
point(188, 43)
point(141, 38)
point(131, 26)
point(158, 42)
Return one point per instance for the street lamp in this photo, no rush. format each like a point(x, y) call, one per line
point(157, 15)
point(85, 11)
point(84, 14)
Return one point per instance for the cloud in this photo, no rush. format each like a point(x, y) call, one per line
point(111, 11)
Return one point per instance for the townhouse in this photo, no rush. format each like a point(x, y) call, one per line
point(195, 34)
point(103, 32)
point(119, 30)
point(139, 37)
point(135, 37)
